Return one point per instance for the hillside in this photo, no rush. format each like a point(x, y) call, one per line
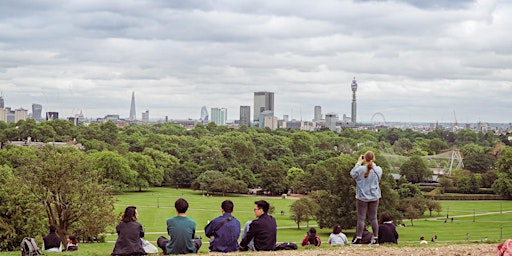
point(430, 249)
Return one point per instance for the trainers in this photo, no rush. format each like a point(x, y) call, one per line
point(374, 242)
point(356, 241)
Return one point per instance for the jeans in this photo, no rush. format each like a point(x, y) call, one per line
point(371, 209)
point(250, 246)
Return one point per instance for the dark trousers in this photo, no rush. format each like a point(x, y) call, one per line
point(162, 242)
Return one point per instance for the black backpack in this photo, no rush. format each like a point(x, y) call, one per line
point(286, 246)
point(29, 247)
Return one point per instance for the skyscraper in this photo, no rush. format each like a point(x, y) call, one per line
point(245, 115)
point(133, 114)
point(204, 114)
point(354, 103)
point(318, 114)
point(36, 111)
point(219, 115)
point(2, 104)
point(263, 101)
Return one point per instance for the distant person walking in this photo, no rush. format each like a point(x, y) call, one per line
point(368, 193)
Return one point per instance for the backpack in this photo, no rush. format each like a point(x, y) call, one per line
point(286, 246)
point(29, 247)
point(505, 248)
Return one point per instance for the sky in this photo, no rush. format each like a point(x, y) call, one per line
point(414, 60)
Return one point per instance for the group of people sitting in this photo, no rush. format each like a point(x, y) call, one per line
point(387, 234)
point(53, 243)
point(223, 232)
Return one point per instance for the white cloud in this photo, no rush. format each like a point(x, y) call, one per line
point(414, 60)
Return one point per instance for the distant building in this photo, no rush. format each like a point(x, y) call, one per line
point(204, 114)
point(74, 120)
point(3, 114)
point(37, 111)
point(20, 114)
point(245, 115)
point(299, 125)
point(286, 117)
point(318, 114)
point(145, 116)
point(330, 121)
point(219, 116)
point(111, 117)
point(52, 116)
point(270, 122)
point(133, 114)
point(2, 103)
point(263, 101)
point(263, 117)
point(354, 102)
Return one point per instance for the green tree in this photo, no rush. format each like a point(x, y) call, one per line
point(301, 143)
point(147, 173)
point(433, 206)
point(70, 193)
point(445, 183)
point(407, 190)
point(292, 176)
point(113, 169)
point(412, 208)
point(273, 179)
point(303, 210)
point(164, 162)
point(415, 170)
point(503, 184)
point(20, 212)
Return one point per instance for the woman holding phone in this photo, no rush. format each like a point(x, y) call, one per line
point(367, 177)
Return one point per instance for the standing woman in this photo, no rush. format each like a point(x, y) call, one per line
point(367, 179)
point(129, 234)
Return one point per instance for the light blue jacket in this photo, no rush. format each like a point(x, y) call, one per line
point(367, 189)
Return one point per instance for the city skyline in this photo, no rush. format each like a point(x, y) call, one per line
point(414, 61)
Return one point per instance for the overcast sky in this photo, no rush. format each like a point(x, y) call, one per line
point(414, 60)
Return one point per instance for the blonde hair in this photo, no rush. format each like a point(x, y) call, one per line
point(369, 157)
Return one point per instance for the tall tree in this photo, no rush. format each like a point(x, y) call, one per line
point(415, 170)
point(70, 194)
point(20, 213)
point(303, 210)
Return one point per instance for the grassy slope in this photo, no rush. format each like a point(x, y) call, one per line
point(156, 205)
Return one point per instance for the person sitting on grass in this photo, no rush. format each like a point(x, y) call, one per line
point(311, 238)
point(337, 237)
point(72, 243)
point(387, 231)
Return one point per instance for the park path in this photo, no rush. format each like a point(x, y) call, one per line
point(468, 215)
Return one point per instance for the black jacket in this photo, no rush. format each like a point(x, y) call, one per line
point(52, 240)
point(264, 231)
point(387, 233)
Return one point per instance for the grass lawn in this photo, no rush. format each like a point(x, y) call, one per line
point(156, 205)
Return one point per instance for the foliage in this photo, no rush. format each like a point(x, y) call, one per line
point(503, 184)
point(303, 210)
point(72, 196)
point(415, 170)
point(412, 208)
point(20, 212)
point(407, 190)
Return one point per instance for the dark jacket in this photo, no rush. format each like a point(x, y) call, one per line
point(263, 230)
point(52, 240)
point(387, 233)
point(226, 237)
point(128, 239)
